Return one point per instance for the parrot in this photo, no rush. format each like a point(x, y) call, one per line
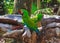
point(19, 11)
point(39, 16)
point(30, 24)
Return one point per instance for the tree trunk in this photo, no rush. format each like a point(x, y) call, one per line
point(29, 5)
point(38, 4)
point(58, 12)
point(22, 4)
point(15, 6)
point(34, 37)
point(2, 11)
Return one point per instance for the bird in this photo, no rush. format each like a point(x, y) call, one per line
point(30, 24)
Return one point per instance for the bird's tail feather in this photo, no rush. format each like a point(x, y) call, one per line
point(38, 32)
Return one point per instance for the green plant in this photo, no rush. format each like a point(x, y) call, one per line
point(9, 6)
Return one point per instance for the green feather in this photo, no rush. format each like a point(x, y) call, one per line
point(39, 17)
point(27, 20)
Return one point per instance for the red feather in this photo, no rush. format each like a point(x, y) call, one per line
point(19, 11)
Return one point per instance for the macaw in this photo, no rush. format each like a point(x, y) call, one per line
point(30, 24)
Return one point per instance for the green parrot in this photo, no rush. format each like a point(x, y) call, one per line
point(30, 24)
point(37, 17)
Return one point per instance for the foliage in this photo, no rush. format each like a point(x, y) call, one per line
point(58, 1)
point(48, 11)
point(34, 8)
point(9, 6)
